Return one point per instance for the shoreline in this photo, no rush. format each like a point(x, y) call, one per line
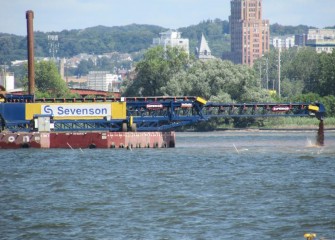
point(302, 129)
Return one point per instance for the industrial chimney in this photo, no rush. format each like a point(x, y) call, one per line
point(30, 45)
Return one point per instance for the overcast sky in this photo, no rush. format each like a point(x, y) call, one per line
point(57, 15)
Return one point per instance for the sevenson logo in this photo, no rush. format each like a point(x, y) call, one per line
point(81, 110)
point(48, 110)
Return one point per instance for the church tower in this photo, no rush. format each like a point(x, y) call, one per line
point(204, 52)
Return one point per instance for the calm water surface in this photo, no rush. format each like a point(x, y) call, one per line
point(221, 185)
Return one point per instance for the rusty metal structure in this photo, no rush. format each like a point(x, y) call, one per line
point(30, 45)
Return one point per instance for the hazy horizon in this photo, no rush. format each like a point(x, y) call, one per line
point(173, 14)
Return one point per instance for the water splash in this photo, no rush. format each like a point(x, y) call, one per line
point(309, 143)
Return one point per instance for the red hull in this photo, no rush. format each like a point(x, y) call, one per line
point(88, 140)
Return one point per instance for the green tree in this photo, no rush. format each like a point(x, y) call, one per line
point(84, 67)
point(48, 81)
point(329, 103)
point(327, 74)
point(290, 88)
point(304, 67)
point(156, 69)
point(277, 29)
point(299, 71)
point(217, 80)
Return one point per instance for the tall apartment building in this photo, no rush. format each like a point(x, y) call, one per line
point(250, 34)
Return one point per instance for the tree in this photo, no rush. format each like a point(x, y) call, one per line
point(48, 82)
point(327, 74)
point(290, 88)
point(299, 70)
point(305, 67)
point(156, 69)
point(217, 80)
point(84, 67)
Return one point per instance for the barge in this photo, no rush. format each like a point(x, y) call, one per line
point(128, 140)
point(134, 122)
point(140, 122)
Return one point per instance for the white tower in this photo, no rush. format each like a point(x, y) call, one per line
point(204, 52)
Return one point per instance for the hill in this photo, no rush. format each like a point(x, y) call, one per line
point(125, 39)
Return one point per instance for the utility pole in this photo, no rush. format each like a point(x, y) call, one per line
point(279, 49)
point(260, 73)
point(267, 73)
point(5, 77)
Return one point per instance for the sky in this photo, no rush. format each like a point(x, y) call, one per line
point(58, 15)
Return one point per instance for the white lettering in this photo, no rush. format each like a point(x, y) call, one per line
point(26, 139)
point(186, 105)
point(154, 106)
point(280, 108)
point(73, 110)
point(11, 139)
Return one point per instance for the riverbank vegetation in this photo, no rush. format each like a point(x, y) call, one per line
point(288, 123)
point(298, 123)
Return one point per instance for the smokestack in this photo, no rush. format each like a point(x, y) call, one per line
point(30, 45)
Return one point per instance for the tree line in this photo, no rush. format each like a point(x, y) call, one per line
point(303, 71)
point(125, 39)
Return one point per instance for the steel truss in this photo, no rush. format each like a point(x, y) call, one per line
point(167, 113)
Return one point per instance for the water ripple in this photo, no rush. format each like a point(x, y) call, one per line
point(273, 187)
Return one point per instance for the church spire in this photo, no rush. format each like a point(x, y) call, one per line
point(204, 50)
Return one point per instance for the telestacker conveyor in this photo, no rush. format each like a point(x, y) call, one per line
point(142, 114)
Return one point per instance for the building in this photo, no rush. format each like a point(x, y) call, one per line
point(7, 80)
point(104, 81)
point(204, 52)
point(172, 39)
point(313, 36)
point(300, 39)
point(322, 45)
point(320, 34)
point(250, 34)
point(284, 42)
point(322, 40)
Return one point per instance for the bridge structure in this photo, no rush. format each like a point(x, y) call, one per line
point(146, 114)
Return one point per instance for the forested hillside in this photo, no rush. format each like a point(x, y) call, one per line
point(97, 40)
point(124, 39)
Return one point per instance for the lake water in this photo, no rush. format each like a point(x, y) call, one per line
point(220, 185)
